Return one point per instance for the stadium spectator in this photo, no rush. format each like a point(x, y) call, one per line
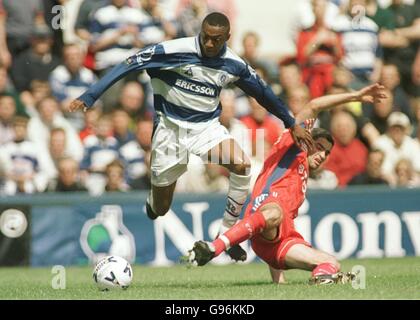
point(227, 7)
point(100, 150)
point(322, 178)
point(134, 152)
point(366, 131)
point(67, 180)
point(397, 144)
point(250, 53)
point(158, 26)
point(343, 78)
point(289, 78)
point(407, 22)
point(17, 21)
point(115, 177)
point(115, 30)
point(143, 182)
point(349, 156)
point(191, 17)
point(261, 125)
point(383, 17)
point(362, 51)
point(390, 78)
point(7, 113)
point(35, 63)
point(86, 11)
point(49, 117)
point(319, 49)
point(416, 132)
point(7, 89)
point(405, 174)
point(132, 100)
point(297, 98)
point(56, 150)
point(82, 27)
point(210, 179)
point(381, 111)
point(227, 118)
point(38, 90)
point(305, 17)
point(69, 80)
point(91, 117)
point(21, 162)
point(373, 173)
point(121, 127)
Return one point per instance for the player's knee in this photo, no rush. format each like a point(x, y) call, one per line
point(273, 215)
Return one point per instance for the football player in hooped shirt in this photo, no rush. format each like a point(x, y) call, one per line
point(278, 193)
point(187, 76)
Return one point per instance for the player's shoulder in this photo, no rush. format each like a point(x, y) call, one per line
point(235, 64)
point(284, 135)
point(180, 45)
point(232, 55)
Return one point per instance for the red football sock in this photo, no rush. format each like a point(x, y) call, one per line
point(324, 268)
point(241, 231)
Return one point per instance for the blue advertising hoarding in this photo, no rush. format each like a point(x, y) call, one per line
point(73, 229)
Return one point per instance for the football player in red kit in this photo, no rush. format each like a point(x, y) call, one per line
point(277, 195)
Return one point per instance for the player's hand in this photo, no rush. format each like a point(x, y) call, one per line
point(372, 93)
point(302, 136)
point(77, 105)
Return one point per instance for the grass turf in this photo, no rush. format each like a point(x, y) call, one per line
point(390, 278)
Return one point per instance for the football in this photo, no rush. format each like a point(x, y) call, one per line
point(112, 272)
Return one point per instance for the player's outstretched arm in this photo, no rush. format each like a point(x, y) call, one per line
point(254, 86)
point(147, 58)
point(277, 275)
point(369, 94)
point(88, 98)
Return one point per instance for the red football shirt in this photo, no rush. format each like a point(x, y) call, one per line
point(283, 177)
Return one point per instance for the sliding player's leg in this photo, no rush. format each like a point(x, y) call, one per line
point(231, 156)
point(325, 267)
point(265, 221)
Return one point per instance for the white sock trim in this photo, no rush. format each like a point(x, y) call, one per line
point(225, 241)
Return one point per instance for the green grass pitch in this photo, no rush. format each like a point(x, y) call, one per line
point(392, 278)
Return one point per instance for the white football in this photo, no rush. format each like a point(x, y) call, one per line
point(112, 272)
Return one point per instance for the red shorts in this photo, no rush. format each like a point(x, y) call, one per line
point(273, 252)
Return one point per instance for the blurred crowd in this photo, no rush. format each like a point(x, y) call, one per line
point(341, 46)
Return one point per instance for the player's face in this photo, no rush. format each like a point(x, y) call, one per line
point(320, 154)
point(212, 39)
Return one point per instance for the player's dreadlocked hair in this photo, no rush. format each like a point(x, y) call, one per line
point(322, 133)
point(217, 19)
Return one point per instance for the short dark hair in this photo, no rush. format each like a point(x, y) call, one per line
point(217, 19)
point(322, 133)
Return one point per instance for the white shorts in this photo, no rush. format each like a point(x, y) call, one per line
point(171, 146)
